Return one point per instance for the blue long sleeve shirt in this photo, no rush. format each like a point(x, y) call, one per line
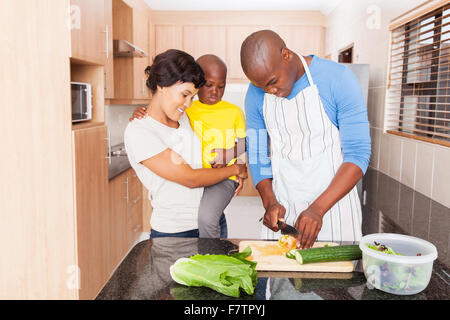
point(344, 105)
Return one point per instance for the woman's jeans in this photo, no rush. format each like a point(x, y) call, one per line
point(191, 233)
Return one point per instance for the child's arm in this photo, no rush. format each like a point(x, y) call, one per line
point(139, 113)
point(224, 156)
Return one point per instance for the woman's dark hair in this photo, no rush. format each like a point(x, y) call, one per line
point(174, 66)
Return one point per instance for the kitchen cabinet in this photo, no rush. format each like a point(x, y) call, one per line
point(37, 228)
point(131, 24)
point(117, 193)
point(88, 31)
point(109, 64)
point(303, 40)
point(125, 211)
point(92, 219)
point(235, 36)
point(134, 208)
point(222, 33)
point(168, 37)
point(209, 39)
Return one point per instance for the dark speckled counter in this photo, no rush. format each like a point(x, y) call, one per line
point(389, 207)
point(144, 275)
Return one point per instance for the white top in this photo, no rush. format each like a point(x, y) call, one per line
point(175, 207)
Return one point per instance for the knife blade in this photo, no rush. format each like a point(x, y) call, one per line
point(286, 228)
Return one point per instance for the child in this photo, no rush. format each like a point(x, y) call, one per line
point(220, 126)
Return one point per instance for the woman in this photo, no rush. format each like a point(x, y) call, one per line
point(164, 151)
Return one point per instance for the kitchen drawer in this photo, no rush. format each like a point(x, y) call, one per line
point(134, 187)
point(134, 208)
point(134, 224)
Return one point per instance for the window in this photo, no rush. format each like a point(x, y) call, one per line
point(418, 96)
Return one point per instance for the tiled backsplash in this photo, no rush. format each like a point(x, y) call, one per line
point(419, 165)
point(391, 205)
point(117, 118)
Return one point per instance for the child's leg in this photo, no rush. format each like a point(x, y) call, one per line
point(215, 199)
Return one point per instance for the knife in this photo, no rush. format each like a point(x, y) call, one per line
point(286, 228)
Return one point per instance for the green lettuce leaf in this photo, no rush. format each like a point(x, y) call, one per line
point(388, 250)
point(222, 273)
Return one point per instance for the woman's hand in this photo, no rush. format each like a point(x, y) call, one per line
point(308, 224)
point(241, 170)
point(139, 113)
point(240, 186)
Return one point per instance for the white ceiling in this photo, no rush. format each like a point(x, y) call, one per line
point(324, 6)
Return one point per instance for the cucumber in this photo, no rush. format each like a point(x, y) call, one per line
point(326, 254)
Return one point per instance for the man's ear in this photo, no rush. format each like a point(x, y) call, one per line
point(286, 54)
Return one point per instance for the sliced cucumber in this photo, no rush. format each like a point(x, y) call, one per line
point(326, 254)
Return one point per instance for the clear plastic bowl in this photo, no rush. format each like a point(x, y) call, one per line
point(403, 275)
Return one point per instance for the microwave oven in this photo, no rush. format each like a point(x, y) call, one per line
point(81, 101)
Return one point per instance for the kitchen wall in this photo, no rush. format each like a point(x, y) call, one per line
point(419, 165)
point(408, 180)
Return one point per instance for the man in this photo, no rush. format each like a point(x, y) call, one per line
point(316, 122)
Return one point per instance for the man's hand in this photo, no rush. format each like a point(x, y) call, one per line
point(308, 224)
point(139, 113)
point(274, 212)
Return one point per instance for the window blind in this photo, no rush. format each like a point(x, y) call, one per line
point(418, 92)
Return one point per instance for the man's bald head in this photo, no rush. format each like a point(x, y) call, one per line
point(261, 49)
point(212, 64)
point(269, 64)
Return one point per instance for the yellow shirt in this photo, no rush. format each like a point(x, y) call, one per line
point(217, 126)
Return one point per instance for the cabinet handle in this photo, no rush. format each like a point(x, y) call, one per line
point(109, 146)
point(143, 85)
point(127, 189)
point(106, 82)
point(137, 199)
point(107, 41)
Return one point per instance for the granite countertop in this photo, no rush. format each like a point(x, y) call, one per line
point(387, 207)
point(144, 275)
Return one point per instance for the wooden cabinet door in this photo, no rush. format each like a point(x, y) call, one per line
point(125, 211)
point(109, 64)
point(131, 24)
point(304, 40)
point(91, 185)
point(88, 31)
point(168, 37)
point(140, 89)
point(134, 209)
point(235, 36)
point(118, 196)
point(201, 40)
point(141, 29)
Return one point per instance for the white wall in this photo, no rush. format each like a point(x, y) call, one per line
point(365, 23)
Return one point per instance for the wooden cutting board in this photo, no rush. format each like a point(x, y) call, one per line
point(271, 257)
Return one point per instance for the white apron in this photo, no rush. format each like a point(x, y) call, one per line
point(306, 153)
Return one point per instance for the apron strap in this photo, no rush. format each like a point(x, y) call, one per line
point(308, 73)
